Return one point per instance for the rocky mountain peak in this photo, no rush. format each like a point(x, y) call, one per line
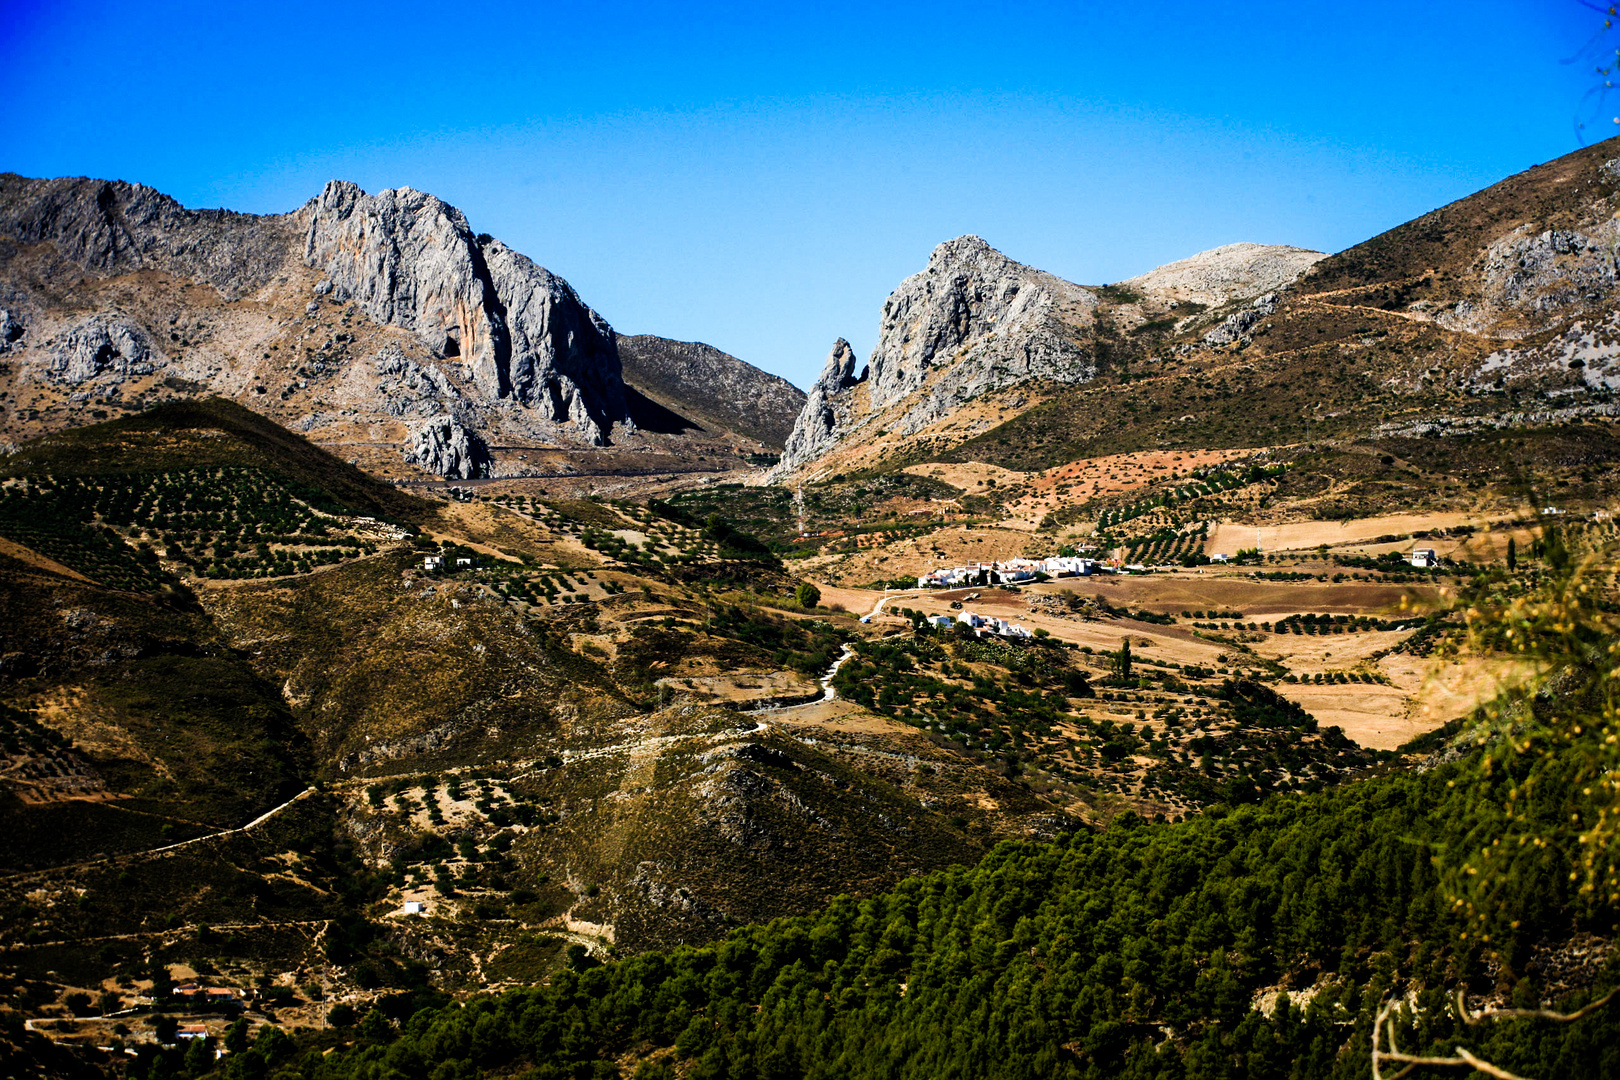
point(1231, 272)
point(501, 344)
point(968, 292)
point(971, 322)
point(520, 332)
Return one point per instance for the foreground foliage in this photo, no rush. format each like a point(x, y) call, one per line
point(1133, 952)
point(1143, 950)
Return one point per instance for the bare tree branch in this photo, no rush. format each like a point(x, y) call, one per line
point(1472, 1018)
point(1384, 1029)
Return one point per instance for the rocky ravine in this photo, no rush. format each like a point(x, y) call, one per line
point(368, 321)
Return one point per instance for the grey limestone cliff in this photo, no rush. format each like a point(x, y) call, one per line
point(971, 323)
point(565, 357)
point(410, 260)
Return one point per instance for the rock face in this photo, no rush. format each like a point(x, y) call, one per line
point(971, 323)
point(410, 260)
point(826, 412)
point(100, 344)
point(1236, 326)
point(1224, 274)
point(712, 387)
point(441, 444)
point(969, 294)
point(565, 357)
point(12, 329)
point(110, 227)
point(353, 311)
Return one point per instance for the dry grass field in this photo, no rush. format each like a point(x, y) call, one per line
point(1357, 535)
point(1035, 495)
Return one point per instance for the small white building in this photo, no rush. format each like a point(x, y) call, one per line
point(1220, 557)
point(942, 622)
point(415, 907)
point(433, 562)
point(1424, 557)
point(465, 560)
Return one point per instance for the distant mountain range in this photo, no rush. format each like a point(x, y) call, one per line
point(384, 328)
point(381, 325)
point(1497, 310)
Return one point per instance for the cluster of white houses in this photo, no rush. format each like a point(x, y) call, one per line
point(981, 624)
point(1008, 572)
point(437, 562)
point(1015, 571)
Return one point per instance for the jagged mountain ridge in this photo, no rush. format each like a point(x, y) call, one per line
point(705, 384)
point(970, 323)
point(1496, 310)
point(380, 322)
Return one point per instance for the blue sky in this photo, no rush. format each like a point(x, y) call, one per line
point(760, 177)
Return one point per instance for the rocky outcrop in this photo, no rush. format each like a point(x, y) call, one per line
point(712, 387)
point(973, 322)
point(442, 444)
point(102, 345)
point(1527, 277)
point(1236, 326)
point(12, 328)
point(110, 227)
point(406, 388)
point(827, 411)
point(1550, 271)
point(1224, 274)
point(410, 260)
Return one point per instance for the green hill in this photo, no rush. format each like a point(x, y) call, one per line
point(212, 433)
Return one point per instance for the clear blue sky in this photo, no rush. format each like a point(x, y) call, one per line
point(760, 177)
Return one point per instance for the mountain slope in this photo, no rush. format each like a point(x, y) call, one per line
point(1263, 942)
point(380, 324)
point(1497, 311)
point(715, 388)
point(213, 622)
